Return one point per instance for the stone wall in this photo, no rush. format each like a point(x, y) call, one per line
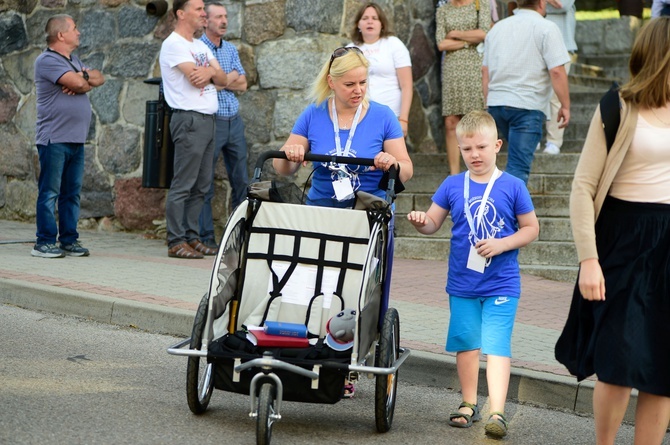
point(282, 45)
point(607, 37)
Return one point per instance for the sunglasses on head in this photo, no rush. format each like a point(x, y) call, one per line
point(339, 52)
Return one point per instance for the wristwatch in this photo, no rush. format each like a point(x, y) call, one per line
point(466, 45)
point(85, 75)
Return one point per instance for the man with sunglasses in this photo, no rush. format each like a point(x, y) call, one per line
point(63, 120)
point(190, 73)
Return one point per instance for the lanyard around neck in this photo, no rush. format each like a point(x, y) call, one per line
point(336, 129)
point(479, 213)
point(76, 70)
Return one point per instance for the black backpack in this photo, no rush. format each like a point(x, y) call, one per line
point(610, 114)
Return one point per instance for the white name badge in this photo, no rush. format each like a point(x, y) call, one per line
point(343, 189)
point(476, 262)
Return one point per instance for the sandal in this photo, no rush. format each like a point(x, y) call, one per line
point(469, 418)
point(496, 427)
point(183, 250)
point(349, 391)
point(201, 248)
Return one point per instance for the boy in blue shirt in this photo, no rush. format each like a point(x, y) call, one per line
point(483, 282)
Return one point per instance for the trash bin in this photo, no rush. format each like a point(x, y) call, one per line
point(158, 161)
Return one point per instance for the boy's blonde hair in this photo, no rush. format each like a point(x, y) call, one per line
point(477, 122)
point(338, 68)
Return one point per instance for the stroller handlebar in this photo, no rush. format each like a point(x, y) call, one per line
point(278, 154)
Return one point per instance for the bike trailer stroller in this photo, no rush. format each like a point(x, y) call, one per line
point(300, 264)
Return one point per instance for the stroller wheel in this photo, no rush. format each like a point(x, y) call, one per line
point(199, 383)
point(266, 414)
point(386, 385)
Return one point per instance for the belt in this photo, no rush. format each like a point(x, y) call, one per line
point(227, 118)
point(177, 110)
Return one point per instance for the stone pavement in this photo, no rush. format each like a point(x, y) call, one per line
point(130, 281)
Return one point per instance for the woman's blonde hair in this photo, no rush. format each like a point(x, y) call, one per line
point(355, 33)
point(649, 66)
point(337, 68)
point(477, 122)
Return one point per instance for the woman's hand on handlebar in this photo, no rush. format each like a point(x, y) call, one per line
point(294, 153)
point(384, 161)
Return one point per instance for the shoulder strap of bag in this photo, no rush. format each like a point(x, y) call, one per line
point(610, 114)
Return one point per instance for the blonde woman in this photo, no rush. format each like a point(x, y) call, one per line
point(341, 112)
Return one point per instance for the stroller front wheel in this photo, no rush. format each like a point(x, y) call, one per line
point(266, 414)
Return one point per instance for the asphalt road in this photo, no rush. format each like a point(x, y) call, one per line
point(68, 380)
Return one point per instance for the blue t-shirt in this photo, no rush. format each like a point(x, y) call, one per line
point(378, 125)
point(508, 198)
point(61, 118)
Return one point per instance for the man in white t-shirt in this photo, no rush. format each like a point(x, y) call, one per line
point(524, 60)
point(190, 72)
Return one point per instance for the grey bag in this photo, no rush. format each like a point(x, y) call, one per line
point(276, 191)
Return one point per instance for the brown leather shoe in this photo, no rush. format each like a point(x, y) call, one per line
point(200, 247)
point(183, 250)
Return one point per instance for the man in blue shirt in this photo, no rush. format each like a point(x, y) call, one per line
point(229, 126)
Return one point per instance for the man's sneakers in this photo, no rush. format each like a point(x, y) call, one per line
point(47, 251)
point(53, 251)
point(74, 249)
point(551, 149)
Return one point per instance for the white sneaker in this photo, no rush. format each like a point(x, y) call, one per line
point(551, 149)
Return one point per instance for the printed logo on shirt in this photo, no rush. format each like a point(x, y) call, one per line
point(202, 60)
point(489, 226)
point(501, 300)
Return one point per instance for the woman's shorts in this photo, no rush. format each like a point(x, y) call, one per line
point(484, 323)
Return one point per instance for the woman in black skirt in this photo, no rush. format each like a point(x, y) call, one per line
point(618, 327)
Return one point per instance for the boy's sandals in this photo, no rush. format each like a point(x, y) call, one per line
point(183, 250)
point(496, 427)
point(349, 391)
point(469, 418)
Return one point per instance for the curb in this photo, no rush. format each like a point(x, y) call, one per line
point(147, 317)
point(421, 368)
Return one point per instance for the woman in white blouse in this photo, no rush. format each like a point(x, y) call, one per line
point(390, 72)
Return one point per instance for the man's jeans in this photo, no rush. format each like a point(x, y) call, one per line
point(523, 130)
point(61, 176)
point(231, 142)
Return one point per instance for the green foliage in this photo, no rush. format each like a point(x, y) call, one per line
point(609, 13)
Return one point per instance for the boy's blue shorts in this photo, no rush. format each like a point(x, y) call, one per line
point(484, 323)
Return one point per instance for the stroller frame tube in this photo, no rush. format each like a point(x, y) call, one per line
point(271, 363)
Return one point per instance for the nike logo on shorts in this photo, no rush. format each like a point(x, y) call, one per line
point(500, 300)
